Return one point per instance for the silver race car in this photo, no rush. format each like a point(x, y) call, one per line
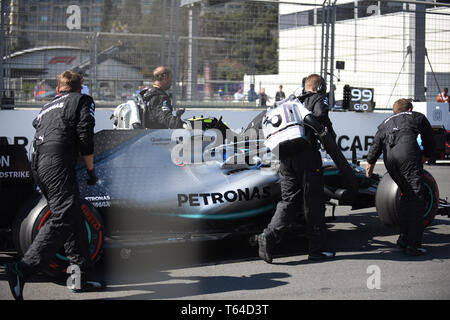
point(188, 184)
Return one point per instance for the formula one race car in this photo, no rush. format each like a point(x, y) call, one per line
point(179, 185)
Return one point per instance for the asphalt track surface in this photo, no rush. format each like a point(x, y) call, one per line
point(367, 266)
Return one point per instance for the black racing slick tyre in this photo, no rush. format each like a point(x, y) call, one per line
point(33, 216)
point(387, 200)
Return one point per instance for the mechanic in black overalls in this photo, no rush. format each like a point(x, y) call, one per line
point(397, 139)
point(64, 129)
point(301, 181)
point(158, 106)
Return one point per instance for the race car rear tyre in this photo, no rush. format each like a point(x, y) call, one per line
point(387, 200)
point(33, 216)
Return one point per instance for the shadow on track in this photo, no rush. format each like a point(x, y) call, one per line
point(364, 233)
point(354, 236)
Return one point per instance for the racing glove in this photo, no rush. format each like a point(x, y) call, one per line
point(92, 177)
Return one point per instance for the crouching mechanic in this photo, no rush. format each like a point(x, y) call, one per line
point(158, 109)
point(64, 129)
point(301, 181)
point(397, 139)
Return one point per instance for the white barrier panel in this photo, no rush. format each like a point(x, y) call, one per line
point(16, 125)
point(354, 129)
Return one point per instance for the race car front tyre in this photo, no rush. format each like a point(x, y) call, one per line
point(33, 216)
point(387, 200)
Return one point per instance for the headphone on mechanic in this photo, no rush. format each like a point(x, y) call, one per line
point(322, 87)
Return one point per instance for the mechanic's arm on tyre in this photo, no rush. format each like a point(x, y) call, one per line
point(89, 161)
point(374, 152)
point(369, 169)
point(428, 143)
point(91, 175)
point(377, 147)
point(85, 132)
point(85, 125)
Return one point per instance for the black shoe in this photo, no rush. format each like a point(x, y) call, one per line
point(264, 250)
point(90, 286)
point(415, 251)
point(401, 243)
point(15, 279)
point(323, 255)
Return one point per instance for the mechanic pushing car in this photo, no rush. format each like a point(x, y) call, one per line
point(397, 139)
point(302, 181)
point(64, 129)
point(158, 105)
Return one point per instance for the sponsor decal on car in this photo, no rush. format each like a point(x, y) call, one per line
point(99, 201)
point(198, 199)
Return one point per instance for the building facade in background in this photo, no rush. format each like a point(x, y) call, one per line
point(375, 39)
point(375, 42)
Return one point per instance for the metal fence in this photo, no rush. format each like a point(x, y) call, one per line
point(396, 48)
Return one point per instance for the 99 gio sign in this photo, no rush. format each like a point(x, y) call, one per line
point(361, 99)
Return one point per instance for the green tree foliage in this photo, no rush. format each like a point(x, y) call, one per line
point(230, 70)
point(143, 52)
point(248, 45)
point(251, 40)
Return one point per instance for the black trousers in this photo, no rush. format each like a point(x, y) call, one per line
point(65, 227)
point(404, 165)
point(301, 180)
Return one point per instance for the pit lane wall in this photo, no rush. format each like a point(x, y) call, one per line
point(354, 129)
